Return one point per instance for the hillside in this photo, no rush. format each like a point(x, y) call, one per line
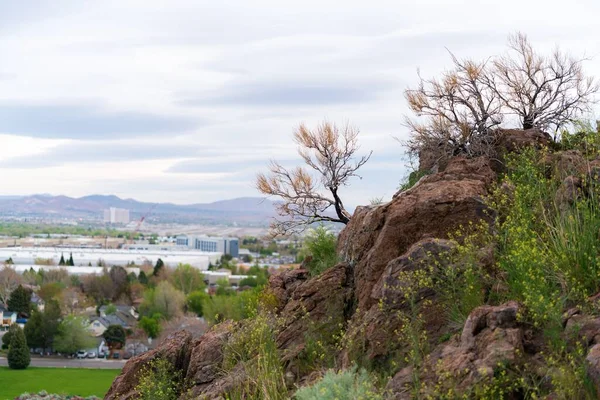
point(480, 281)
point(244, 210)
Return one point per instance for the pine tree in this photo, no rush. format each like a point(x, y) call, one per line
point(71, 262)
point(20, 301)
point(18, 352)
point(62, 260)
point(159, 265)
point(142, 278)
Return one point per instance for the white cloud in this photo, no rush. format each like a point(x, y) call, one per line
point(231, 80)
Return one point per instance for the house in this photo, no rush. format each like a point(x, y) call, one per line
point(98, 325)
point(8, 318)
point(130, 310)
point(37, 301)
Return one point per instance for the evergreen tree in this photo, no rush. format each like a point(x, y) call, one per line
point(115, 336)
point(142, 278)
point(158, 267)
point(42, 326)
point(18, 351)
point(20, 301)
point(8, 336)
point(62, 260)
point(71, 262)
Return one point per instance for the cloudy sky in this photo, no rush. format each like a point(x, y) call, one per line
point(185, 100)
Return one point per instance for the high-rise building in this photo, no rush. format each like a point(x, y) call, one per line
point(225, 245)
point(116, 216)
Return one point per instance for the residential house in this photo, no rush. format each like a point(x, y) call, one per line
point(122, 308)
point(98, 325)
point(37, 301)
point(8, 318)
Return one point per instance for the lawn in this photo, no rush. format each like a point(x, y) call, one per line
point(82, 382)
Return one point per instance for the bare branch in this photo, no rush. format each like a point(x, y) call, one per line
point(544, 92)
point(330, 153)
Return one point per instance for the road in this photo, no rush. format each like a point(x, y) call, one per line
point(71, 363)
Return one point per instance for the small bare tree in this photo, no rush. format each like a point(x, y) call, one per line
point(9, 281)
point(544, 92)
point(330, 152)
point(460, 110)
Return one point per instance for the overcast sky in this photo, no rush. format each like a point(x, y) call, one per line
point(186, 100)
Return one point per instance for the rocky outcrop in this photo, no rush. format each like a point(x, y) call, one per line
point(382, 242)
point(514, 140)
point(490, 335)
point(437, 205)
point(283, 283)
point(204, 373)
point(175, 349)
point(317, 304)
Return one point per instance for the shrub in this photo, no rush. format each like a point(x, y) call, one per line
point(350, 384)
point(321, 245)
point(234, 307)
point(413, 178)
point(253, 346)
point(18, 352)
point(195, 301)
point(8, 336)
point(159, 380)
point(531, 274)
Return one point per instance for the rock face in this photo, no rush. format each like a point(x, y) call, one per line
point(176, 349)
point(204, 373)
point(490, 335)
point(325, 301)
point(364, 293)
point(381, 242)
point(437, 205)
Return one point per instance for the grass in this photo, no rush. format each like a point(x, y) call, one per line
point(81, 382)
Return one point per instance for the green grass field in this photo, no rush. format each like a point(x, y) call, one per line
point(82, 382)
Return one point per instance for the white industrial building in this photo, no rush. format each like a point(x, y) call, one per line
point(20, 268)
point(223, 245)
point(108, 257)
point(116, 216)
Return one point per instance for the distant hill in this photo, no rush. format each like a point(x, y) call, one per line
point(243, 210)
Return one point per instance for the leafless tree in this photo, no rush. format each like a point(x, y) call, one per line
point(9, 281)
point(455, 114)
point(308, 195)
point(544, 92)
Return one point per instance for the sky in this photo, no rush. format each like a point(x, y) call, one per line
point(185, 101)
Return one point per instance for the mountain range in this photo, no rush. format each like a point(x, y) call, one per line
point(243, 210)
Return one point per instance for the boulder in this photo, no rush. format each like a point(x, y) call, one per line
point(570, 190)
point(176, 349)
point(514, 140)
point(491, 335)
point(593, 364)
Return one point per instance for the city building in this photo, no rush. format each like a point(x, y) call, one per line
point(98, 258)
point(224, 245)
point(116, 216)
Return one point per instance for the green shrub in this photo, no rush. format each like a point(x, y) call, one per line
point(350, 384)
point(320, 244)
point(7, 337)
point(159, 380)
point(195, 301)
point(531, 275)
point(253, 346)
point(18, 351)
point(412, 179)
point(234, 307)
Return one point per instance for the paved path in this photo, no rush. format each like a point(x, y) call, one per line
point(71, 363)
